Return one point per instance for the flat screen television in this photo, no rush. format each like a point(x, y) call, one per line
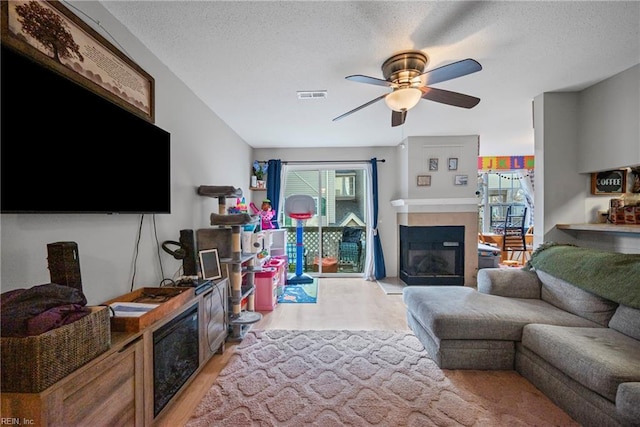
point(67, 150)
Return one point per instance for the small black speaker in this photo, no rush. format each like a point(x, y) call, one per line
point(190, 261)
point(64, 264)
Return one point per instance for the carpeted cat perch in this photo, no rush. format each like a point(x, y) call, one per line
point(235, 221)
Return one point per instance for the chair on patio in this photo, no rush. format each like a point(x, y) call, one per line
point(513, 240)
point(350, 247)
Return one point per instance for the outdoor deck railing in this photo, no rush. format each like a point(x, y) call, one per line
point(331, 238)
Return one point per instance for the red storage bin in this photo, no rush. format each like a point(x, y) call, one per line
point(266, 283)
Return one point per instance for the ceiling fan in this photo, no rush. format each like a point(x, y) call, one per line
point(404, 73)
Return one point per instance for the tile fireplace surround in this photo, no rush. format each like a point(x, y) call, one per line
point(433, 212)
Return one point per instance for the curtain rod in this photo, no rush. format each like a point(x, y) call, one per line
point(306, 162)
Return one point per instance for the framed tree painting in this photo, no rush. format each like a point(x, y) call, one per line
point(50, 34)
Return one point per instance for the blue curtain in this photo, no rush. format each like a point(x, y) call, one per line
point(378, 256)
point(273, 186)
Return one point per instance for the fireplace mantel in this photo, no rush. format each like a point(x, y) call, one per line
point(468, 204)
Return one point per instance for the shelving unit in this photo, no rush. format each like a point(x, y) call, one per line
point(602, 228)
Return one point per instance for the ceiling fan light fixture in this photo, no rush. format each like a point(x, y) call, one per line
point(403, 99)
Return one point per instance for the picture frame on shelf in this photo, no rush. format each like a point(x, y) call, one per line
point(461, 180)
point(210, 264)
point(613, 182)
point(452, 163)
point(433, 164)
point(424, 180)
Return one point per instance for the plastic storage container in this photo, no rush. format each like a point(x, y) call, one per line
point(266, 283)
point(488, 256)
point(252, 243)
point(280, 264)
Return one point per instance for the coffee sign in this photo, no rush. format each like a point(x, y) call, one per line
point(609, 182)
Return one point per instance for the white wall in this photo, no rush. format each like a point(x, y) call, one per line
point(609, 125)
point(402, 167)
point(204, 151)
point(609, 131)
point(422, 148)
point(559, 188)
point(387, 184)
point(601, 121)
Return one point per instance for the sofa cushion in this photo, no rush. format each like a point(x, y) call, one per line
point(627, 321)
point(568, 297)
point(628, 402)
point(455, 312)
point(598, 358)
point(509, 282)
point(465, 354)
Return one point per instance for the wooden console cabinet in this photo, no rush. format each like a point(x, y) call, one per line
point(116, 388)
point(106, 391)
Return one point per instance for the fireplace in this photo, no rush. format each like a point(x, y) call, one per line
point(175, 356)
point(432, 255)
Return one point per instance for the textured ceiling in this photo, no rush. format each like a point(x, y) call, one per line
point(247, 60)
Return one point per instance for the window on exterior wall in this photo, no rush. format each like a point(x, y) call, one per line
point(502, 189)
point(345, 187)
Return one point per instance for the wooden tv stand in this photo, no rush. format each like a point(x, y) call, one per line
point(116, 388)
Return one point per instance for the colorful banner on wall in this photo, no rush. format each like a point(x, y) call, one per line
point(505, 163)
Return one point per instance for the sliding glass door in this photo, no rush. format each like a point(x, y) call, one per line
point(335, 237)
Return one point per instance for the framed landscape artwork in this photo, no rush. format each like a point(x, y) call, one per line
point(424, 180)
point(50, 34)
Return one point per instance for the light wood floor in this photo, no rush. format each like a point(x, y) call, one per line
point(343, 304)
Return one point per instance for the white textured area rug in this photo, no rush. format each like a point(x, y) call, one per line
point(362, 378)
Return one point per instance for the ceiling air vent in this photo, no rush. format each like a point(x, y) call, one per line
point(312, 94)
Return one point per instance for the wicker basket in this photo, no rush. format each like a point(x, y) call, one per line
point(31, 364)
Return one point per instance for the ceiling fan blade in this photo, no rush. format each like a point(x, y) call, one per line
point(360, 107)
point(398, 117)
point(450, 71)
point(447, 97)
point(370, 80)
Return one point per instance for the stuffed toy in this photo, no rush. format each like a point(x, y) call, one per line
point(267, 214)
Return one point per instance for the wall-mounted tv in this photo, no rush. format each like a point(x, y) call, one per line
point(68, 150)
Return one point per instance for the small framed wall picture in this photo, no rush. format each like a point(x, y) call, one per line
point(433, 164)
point(461, 179)
point(424, 180)
point(453, 163)
point(609, 182)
